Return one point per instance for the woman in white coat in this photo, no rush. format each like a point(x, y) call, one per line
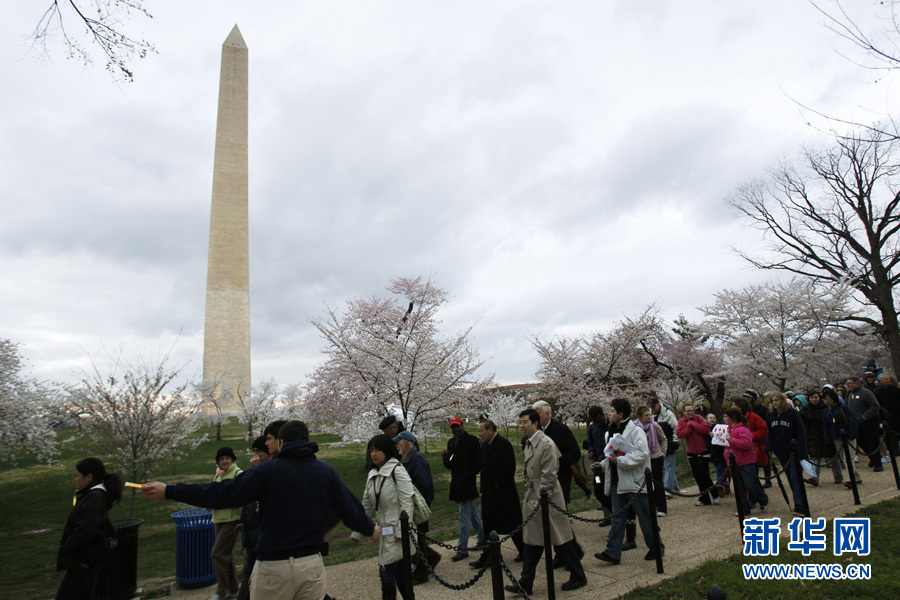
point(389, 490)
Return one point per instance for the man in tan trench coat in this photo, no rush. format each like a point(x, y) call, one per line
point(541, 466)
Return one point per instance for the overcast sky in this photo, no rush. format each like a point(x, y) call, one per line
point(553, 165)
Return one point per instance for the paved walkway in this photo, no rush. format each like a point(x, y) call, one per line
point(692, 536)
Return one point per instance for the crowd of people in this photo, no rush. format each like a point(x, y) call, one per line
point(283, 546)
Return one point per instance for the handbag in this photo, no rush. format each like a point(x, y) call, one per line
point(421, 510)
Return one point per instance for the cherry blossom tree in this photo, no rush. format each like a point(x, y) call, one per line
point(139, 414)
point(503, 409)
point(581, 371)
point(385, 353)
point(24, 419)
point(785, 333)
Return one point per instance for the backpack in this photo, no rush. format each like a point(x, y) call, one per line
point(421, 510)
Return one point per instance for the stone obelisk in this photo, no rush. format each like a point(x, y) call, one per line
point(226, 340)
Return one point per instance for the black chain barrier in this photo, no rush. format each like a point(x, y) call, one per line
point(513, 578)
point(586, 520)
point(479, 547)
point(453, 586)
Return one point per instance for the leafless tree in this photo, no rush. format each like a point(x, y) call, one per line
point(104, 25)
point(835, 219)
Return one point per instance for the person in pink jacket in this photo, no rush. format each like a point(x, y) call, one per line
point(693, 429)
point(740, 441)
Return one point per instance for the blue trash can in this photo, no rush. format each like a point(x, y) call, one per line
point(195, 535)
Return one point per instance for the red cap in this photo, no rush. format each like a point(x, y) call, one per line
point(455, 421)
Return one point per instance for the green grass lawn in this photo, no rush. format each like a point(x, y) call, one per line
point(884, 559)
point(35, 500)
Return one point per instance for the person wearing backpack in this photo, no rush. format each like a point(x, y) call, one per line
point(88, 536)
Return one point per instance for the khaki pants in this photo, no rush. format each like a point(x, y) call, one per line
point(290, 579)
point(223, 560)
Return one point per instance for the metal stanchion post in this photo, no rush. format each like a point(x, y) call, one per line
point(654, 522)
point(496, 570)
point(890, 440)
point(851, 472)
point(798, 470)
point(548, 545)
point(739, 491)
point(406, 564)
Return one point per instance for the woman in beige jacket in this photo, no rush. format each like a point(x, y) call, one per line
point(389, 490)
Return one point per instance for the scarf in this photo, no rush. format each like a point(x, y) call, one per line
point(650, 430)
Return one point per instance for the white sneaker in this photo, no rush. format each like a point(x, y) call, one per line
point(856, 459)
point(216, 597)
point(668, 494)
point(699, 503)
point(716, 500)
point(660, 514)
point(885, 459)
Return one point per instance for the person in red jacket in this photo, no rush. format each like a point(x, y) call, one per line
point(759, 430)
point(693, 429)
point(740, 441)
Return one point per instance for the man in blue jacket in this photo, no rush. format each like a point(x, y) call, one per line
point(288, 563)
point(420, 473)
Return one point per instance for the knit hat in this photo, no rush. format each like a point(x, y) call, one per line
point(405, 435)
point(387, 422)
point(259, 444)
point(225, 451)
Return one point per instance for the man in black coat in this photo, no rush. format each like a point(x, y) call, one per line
point(569, 451)
point(501, 508)
point(463, 458)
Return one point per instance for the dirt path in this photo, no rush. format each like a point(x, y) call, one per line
point(685, 531)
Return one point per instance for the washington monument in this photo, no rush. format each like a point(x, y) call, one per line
point(226, 340)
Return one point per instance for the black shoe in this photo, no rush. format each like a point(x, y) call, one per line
point(434, 560)
point(606, 558)
point(420, 580)
point(558, 562)
point(515, 590)
point(477, 564)
point(878, 468)
point(768, 484)
point(629, 546)
point(518, 557)
point(651, 555)
point(573, 584)
point(605, 522)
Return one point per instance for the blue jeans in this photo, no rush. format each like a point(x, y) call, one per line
point(641, 508)
point(752, 487)
point(469, 517)
point(720, 472)
point(790, 470)
point(670, 481)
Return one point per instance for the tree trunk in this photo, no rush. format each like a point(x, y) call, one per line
point(218, 432)
point(891, 328)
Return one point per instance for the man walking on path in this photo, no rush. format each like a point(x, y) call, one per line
point(296, 493)
point(463, 458)
point(866, 408)
point(500, 506)
point(625, 483)
point(420, 473)
point(541, 466)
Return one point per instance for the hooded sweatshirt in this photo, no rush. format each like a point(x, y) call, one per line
point(295, 491)
point(783, 427)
